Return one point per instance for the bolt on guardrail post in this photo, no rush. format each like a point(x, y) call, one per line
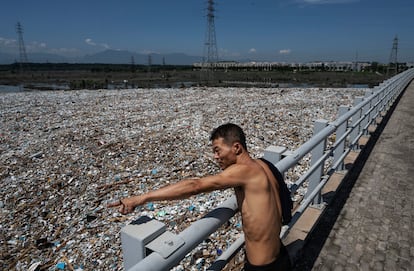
point(316, 154)
point(340, 131)
point(355, 119)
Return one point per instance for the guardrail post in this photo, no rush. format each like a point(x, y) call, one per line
point(273, 154)
point(381, 98)
point(365, 109)
point(340, 131)
point(355, 119)
point(145, 235)
point(386, 98)
point(390, 99)
point(395, 91)
point(317, 153)
point(377, 105)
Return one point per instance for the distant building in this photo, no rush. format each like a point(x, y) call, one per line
point(268, 66)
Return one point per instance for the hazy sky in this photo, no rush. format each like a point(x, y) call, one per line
point(271, 30)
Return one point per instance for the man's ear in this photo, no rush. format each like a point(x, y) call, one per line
point(237, 148)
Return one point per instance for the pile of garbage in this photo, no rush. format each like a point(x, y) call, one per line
point(65, 154)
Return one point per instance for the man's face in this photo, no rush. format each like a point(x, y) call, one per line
point(223, 153)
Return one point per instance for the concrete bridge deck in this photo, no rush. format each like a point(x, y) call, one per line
point(370, 223)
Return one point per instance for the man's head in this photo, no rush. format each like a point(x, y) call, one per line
point(228, 141)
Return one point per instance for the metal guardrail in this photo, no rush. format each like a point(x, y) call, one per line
point(165, 250)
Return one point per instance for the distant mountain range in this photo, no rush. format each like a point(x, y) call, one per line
point(108, 57)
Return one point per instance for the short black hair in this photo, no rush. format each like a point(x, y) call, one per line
point(230, 133)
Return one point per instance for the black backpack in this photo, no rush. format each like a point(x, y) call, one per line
point(284, 193)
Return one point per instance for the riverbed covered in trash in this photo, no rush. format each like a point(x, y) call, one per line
point(65, 154)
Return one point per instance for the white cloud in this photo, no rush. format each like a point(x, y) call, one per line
point(7, 42)
point(90, 42)
point(252, 50)
point(11, 46)
point(36, 45)
point(285, 51)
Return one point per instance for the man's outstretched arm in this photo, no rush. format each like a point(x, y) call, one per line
point(179, 190)
point(182, 189)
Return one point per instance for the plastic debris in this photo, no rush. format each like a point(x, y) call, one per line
point(150, 206)
point(60, 266)
point(65, 154)
point(43, 243)
point(199, 263)
point(161, 213)
point(91, 218)
point(35, 266)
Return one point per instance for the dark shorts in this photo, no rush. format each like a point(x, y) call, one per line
point(282, 263)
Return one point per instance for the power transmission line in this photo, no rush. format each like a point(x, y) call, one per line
point(393, 62)
point(22, 48)
point(210, 45)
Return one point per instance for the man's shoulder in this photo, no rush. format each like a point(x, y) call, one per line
point(238, 166)
point(242, 168)
point(251, 165)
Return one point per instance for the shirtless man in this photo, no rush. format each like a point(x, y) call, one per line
point(256, 192)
